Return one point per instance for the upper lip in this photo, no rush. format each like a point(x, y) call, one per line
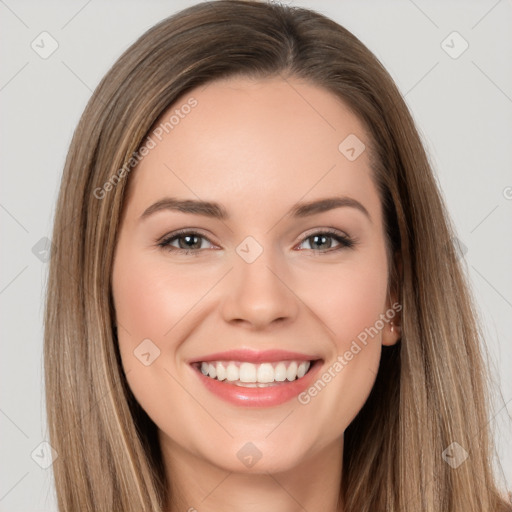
point(255, 356)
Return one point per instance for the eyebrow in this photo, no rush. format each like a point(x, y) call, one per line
point(217, 211)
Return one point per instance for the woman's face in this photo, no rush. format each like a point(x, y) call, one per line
point(264, 293)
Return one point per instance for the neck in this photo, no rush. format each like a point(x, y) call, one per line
point(197, 485)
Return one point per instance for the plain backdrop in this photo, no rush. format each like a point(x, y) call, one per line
point(458, 87)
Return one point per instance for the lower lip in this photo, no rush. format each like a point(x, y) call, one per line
point(260, 397)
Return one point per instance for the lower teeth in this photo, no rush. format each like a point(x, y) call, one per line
point(254, 384)
point(251, 384)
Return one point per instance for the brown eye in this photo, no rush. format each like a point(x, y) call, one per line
point(322, 241)
point(187, 242)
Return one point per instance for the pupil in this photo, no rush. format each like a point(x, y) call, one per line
point(322, 237)
point(188, 238)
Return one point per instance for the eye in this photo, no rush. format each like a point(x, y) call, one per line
point(187, 241)
point(323, 240)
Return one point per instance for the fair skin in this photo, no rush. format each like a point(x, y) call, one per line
point(257, 147)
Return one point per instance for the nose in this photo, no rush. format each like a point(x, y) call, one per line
point(258, 294)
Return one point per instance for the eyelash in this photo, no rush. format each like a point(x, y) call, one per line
point(344, 241)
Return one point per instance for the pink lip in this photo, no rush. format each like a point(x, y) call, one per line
point(254, 356)
point(259, 397)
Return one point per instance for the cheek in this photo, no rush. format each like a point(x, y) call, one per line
point(350, 299)
point(150, 300)
point(360, 299)
point(151, 307)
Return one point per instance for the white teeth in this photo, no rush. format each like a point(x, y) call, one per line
point(265, 373)
point(252, 375)
point(291, 373)
point(301, 370)
point(221, 372)
point(247, 373)
point(232, 372)
point(280, 372)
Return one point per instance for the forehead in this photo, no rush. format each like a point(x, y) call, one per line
point(255, 140)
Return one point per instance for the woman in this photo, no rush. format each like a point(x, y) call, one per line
point(264, 309)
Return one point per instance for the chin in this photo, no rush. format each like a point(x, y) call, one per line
point(259, 456)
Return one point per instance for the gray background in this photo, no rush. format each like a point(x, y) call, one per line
point(463, 108)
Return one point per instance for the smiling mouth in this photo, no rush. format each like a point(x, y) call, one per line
point(250, 375)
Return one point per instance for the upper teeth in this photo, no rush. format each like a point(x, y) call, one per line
point(248, 372)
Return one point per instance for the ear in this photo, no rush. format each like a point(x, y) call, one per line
point(392, 331)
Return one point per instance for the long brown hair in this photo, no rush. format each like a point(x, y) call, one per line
point(431, 387)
